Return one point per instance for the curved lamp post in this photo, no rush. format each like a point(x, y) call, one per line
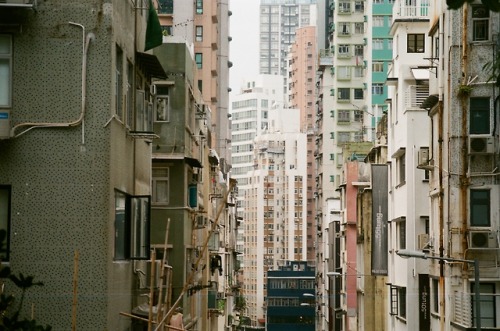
point(406, 253)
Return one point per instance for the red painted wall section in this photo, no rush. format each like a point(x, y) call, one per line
point(351, 175)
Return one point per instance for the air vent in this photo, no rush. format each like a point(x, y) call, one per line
point(481, 145)
point(482, 239)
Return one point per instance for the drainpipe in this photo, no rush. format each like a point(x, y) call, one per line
point(463, 153)
point(32, 125)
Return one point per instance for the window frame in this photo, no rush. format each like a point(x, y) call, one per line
point(155, 180)
point(199, 7)
point(199, 33)
point(198, 58)
point(343, 94)
point(119, 57)
point(487, 299)
point(413, 41)
point(479, 115)
point(377, 88)
point(132, 227)
point(7, 58)
point(480, 23)
point(5, 218)
point(478, 202)
point(358, 94)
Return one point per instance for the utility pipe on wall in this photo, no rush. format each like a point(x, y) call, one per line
point(32, 125)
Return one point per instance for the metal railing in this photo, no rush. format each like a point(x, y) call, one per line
point(411, 9)
point(415, 95)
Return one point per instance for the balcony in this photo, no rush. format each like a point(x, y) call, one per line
point(415, 95)
point(412, 9)
point(325, 58)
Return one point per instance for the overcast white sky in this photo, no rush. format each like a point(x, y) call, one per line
point(244, 48)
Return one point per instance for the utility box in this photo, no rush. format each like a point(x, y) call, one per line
point(4, 124)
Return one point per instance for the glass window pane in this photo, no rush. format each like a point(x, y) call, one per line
point(480, 208)
point(121, 233)
point(5, 221)
point(140, 244)
point(479, 116)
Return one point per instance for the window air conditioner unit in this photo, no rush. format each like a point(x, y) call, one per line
point(482, 239)
point(479, 144)
point(423, 241)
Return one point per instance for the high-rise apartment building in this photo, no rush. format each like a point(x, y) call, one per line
point(278, 21)
point(275, 215)
point(301, 77)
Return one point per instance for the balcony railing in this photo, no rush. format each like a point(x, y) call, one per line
point(325, 57)
point(415, 95)
point(410, 9)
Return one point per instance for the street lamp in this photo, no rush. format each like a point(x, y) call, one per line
point(406, 253)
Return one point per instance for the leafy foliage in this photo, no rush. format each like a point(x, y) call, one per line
point(493, 5)
point(10, 313)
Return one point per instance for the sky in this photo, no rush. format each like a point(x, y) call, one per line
point(244, 47)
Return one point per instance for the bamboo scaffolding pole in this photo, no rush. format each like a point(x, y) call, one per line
point(163, 276)
point(151, 289)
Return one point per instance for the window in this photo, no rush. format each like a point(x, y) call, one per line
point(358, 94)
point(162, 104)
point(358, 116)
point(5, 70)
point(359, 28)
point(435, 295)
point(359, 71)
point(344, 7)
point(359, 6)
point(378, 20)
point(480, 23)
point(5, 196)
point(343, 72)
point(358, 51)
point(129, 97)
point(199, 7)
point(415, 43)
point(377, 44)
point(343, 50)
point(198, 57)
point(479, 120)
point(165, 6)
point(119, 83)
point(161, 186)
point(377, 88)
point(480, 208)
point(143, 113)
point(378, 66)
point(132, 215)
point(167, 30)
point(344, 94)
point(402, 302)
point(344, 137)
point(344, 115)
point(488, 306)
point(401, 232)
point(199, 33)
point(401, 164)
point(344, 29)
